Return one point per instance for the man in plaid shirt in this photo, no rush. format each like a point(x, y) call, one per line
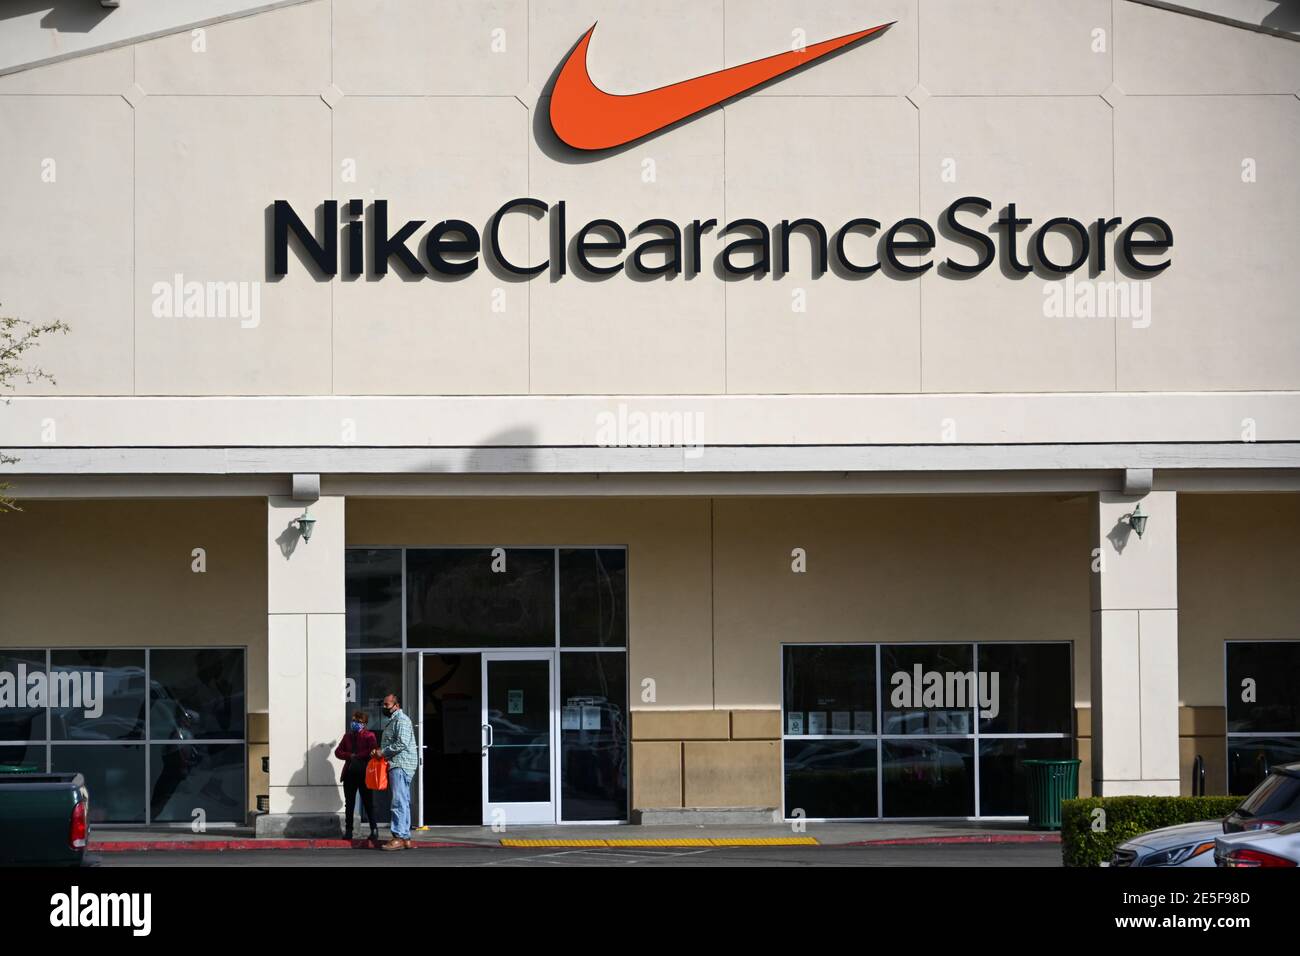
point(399, 746)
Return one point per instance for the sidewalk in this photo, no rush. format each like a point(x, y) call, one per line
point(772, 834)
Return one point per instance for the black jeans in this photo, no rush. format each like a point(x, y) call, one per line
point(352, 782)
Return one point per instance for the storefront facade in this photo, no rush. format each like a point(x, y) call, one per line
point(718, 530)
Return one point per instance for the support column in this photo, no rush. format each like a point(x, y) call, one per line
point(1135, 647)
point(306, 667)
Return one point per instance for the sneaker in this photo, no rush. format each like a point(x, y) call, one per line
point(394, 844)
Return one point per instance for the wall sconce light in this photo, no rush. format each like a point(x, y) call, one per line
point(1137, 520)
point(307, 522)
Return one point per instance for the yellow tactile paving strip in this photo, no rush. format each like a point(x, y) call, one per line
point(669, 841)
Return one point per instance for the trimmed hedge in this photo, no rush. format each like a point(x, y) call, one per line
point(1127, 817)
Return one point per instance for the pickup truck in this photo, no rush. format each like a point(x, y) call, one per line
point(44, 819)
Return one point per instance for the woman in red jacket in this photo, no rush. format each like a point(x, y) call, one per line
point(354, 750)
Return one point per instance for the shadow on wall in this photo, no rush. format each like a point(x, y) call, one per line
point(63, 16)
point(315, 762)
point(1285, 17)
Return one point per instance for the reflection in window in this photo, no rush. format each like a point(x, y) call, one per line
point(97, 697)
point(114, 776)
point(196, 694)
point(97, 694)
point(186, 777)
point(27, 757)
point(1250, 757)
point(908, 682)
point(928, 778)
point(830, 778)
point(593, 735)
point(23, 718)
point(923, 754)
point(593, 597)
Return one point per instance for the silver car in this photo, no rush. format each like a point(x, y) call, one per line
point(1252, 848)
point(1187, 844)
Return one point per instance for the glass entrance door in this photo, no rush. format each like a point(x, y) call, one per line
point(518, 738)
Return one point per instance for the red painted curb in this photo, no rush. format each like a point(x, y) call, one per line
point(126, 846)
point(972, 838)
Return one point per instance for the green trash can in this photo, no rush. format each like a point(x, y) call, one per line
point(1050, 782)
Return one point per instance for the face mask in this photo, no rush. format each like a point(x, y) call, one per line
point(356, 725)
point(388, 711)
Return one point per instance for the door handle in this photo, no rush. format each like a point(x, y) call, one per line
point(488, 741)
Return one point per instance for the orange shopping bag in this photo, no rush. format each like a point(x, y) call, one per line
point(377, 772)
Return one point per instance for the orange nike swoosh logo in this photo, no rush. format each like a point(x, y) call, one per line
point(586, 117)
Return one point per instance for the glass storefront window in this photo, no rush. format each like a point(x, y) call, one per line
point(928, 778)
point(373, 588)
point(471, 597)
point(830, 689)
point(921, 758)
point(1263, 687)
point(830, 778)
point(30, 756)
point(593, 597)
point(185, 777)
point(911, 705)
point(196, 694)
point(1002, 771)
point(373, 677)
point(1033, 688)
point(23, 716)
point(593, 735)
point(190, 754)
point(114, 778)
point(1263, 709)
point(1250, 757)
point(97, 694)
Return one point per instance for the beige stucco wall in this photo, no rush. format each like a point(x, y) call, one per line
point(1238, 570)
point(167, 158)
point(118, 573)
point(894, 569)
